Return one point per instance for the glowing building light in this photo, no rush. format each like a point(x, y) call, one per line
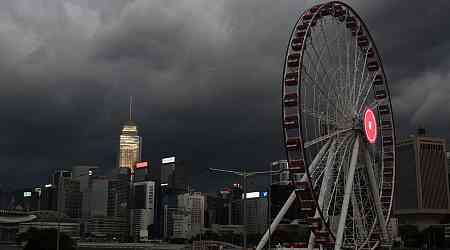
point(251, 195)
point(143, 164)
point(168, 160)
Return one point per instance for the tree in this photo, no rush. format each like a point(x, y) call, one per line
point(45, 239)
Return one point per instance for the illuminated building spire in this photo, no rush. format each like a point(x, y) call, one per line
point(130, 142)
point(131, 107)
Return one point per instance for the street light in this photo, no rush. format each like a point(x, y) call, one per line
point(244, 174)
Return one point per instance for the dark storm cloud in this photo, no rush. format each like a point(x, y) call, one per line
point(204, 75)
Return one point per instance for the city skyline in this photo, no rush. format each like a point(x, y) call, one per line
point(65, 74)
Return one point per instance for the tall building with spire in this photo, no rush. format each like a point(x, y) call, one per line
point(130, 143)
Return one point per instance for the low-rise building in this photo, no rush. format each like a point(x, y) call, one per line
point(107, 227)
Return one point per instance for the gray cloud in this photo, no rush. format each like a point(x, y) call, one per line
point(205, 76)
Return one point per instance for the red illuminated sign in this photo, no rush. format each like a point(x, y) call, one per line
point(143, 164)
point(370, 126)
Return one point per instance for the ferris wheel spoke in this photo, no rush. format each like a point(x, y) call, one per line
point(324, 95)
point(367, 94)
point(344, 82)
point(330, 56)
point(347, 193)
point(362, 77)
point(317, 115)
point(325, 137)
point(317, 159)
point(358, 217)
point(347, 70)
point(332, 199)
point(374, 190)
point(355, 70)
point(319, 57)
point(364, 200)
point(327, 171)
point(324, 186)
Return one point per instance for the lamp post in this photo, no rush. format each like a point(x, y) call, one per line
point(244, 174)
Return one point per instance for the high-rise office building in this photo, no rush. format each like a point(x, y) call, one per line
point(280, 191)
point(257, 211)
point(282, 176)
point(84, 175)
point(233, 205)
point(108, 206)
point(141, 172)
point(98, 196)
point(130, 144)
point(215, 211)
point(49, 197)
point(194, 205)
point(69, 197)
point(143, 212)
point(175, 175)
point(176, 223)
point(422, 188)
point(167, 170)
point(58, 175)
point(119, 193)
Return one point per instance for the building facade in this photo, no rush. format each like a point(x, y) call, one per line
point(422, 187)
point(143, 212)
point(175, 175)
point(69, 197)
point(98, 197)
point(107, 227)
point(257, 213)
point(187, 218)
point(280, 191)
point(84, 175)
point(282, 176)
point(181, 224)
point(194, 204)
point(118, 197)
point(130, 146)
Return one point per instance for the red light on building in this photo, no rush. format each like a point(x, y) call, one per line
point(143, 164)
point(370, 126)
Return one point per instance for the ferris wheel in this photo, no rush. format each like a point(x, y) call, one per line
point(338, 129)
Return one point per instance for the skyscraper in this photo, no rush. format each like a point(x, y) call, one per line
point(143, 212)
point(280, 191)
point(130, 143)
point(422, 191)
point(84, 175)
point(194, 205)
point(175, 175)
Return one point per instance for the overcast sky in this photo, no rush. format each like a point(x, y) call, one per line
point(205, 76)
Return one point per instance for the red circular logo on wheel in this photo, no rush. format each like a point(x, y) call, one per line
point(370, 126)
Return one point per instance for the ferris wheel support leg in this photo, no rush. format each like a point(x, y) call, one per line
point(277, 220)
point(324, 187)
point(290, 200)
point(316, 160)
point(376, 195)
point(347, 194)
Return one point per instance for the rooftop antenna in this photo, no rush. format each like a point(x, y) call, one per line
point(131, 107)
